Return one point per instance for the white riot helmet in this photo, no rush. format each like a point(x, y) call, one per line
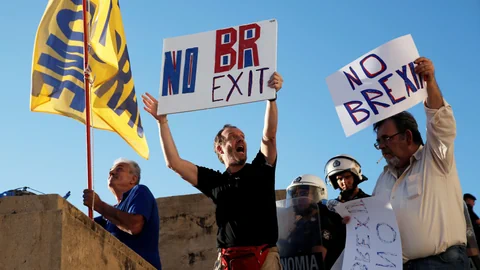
point(306, 185)
point(342, 163)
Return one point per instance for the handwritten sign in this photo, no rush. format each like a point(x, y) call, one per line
point(373, 238)
point(377, 85)
point(218, 68)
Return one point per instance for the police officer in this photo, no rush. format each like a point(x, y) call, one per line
point(309, 236)
point(345, 173)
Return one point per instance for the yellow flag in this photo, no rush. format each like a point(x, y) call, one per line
point(57, 69)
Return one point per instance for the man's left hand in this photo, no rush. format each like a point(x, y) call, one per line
point(91, 199)
point(275, 81)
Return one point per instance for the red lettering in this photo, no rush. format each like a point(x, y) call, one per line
point(225, 55)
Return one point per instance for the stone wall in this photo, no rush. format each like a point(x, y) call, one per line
point(47, 232)
point(188, 231)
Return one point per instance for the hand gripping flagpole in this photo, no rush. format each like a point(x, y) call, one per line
point(86, 84)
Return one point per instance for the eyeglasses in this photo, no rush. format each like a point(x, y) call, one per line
point(384, 140)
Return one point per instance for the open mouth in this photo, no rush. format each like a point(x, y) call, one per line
point(240, 149)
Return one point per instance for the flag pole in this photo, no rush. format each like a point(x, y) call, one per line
point(86, 84)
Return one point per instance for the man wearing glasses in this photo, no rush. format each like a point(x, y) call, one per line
point(421, 182)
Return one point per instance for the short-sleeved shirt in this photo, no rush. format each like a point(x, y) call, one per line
point(140, 201)
point(245, 212)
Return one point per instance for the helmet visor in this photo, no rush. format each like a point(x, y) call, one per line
point(313, 193)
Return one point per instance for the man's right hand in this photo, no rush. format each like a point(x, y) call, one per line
point(91, 199)
point(151, 106)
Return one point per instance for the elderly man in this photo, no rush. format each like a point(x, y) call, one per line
point(421, 182)
point(244, 194)
point(134, 219)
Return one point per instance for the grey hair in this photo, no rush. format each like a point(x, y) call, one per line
point(134, 167)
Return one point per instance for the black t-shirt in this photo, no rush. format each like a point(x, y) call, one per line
point(245, 212)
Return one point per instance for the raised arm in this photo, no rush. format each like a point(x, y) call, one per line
point(269, 140)
point(441, 124)
point(184, 168)
point(426, 70)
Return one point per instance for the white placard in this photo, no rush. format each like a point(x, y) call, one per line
point(218, 68)
point(373, 238)
point(377, 85)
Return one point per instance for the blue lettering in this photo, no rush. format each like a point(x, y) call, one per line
point(392, 231)
point(383, 66)
point(353, 79)
point(214, 87)
point(382, 82)
point(171, 73)
point(261, 78)
point(352, 111)
point(103, 36)
point(250, 81)
point(359, 266)
point(365, 257)
point(364, 242)
point(408, 84)
point(360, 223)
point(234, 85)
point(414, 75)
point(73, 63)
point(370, 101)
point(120, 80)
point(381, 255)
point(357, 206)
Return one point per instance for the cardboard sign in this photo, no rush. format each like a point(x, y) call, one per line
point(218, 68)
point(377, 85)
point(373, 238)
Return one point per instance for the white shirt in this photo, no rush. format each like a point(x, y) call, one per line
point(427, 197)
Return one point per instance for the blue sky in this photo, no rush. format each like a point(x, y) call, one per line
point(315, 38)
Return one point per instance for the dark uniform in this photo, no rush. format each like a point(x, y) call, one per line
point(474, 218)
point(309, 232)
point(359, 195)
point(333, 235)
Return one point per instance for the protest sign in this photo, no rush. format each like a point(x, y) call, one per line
point(377, 85)
point(373, 238)
point(218, 68)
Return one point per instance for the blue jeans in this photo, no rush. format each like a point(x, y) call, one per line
point(455, 257)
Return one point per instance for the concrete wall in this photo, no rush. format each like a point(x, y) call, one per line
point(46, 232)
point(188, 231)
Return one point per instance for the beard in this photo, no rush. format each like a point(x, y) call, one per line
point(394, 161)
